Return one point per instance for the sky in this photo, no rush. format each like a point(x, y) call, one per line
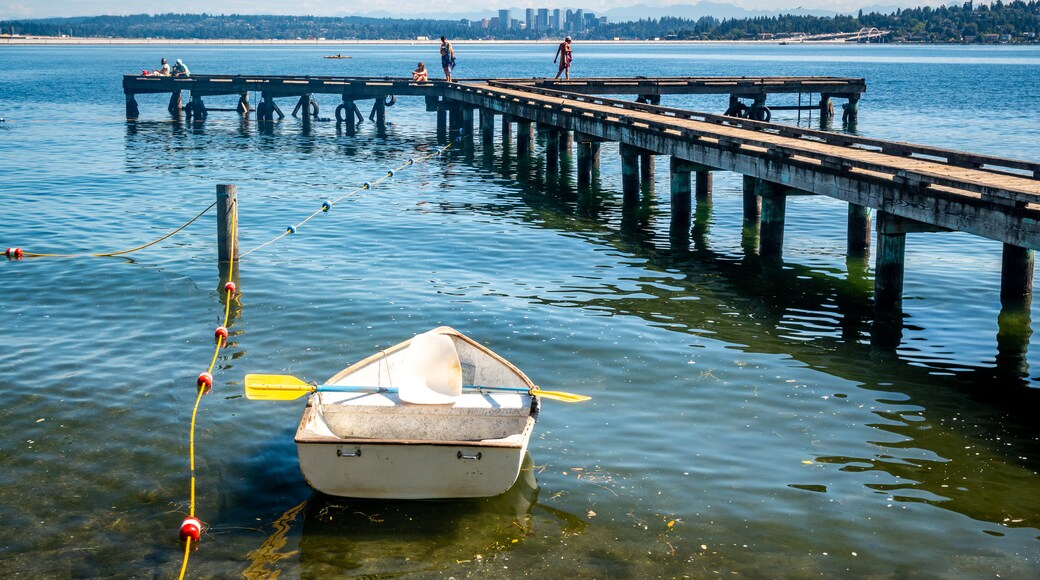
point(16, 9)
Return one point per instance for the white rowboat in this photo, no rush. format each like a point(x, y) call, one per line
point(376, 445)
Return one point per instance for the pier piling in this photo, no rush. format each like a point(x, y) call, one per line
point(629, 173)
point(227, 220)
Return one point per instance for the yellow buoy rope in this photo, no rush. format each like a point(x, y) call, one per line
point(221, 340)
point(121, 252)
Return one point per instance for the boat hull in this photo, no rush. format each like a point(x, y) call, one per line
point(374, 445)
point(416, 470)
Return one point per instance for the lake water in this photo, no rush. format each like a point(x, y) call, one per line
point(741, 422)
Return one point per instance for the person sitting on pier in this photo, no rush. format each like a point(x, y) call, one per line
point(180, 70)
point(420, 74)
point(447, 58)
point(164, 70)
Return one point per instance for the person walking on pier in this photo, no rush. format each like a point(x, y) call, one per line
point(563, 54)
point(447, 58)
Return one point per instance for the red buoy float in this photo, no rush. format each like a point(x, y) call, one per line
point(191, 528)
point(220, 334)
point(15, 253)
point(205, 381)
point(230, 287)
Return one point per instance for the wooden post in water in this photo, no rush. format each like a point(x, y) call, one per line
point(595, 156)
point(888, 281)
point(487, 127)
point(584, 161)
point(380, 115)
point(305, 104)
point(523, 138)
point(704, 185)
point(454, 120)
point(752, 199)
point(174, 106)
point(349, 123)
point(1014, 321)
point(467, 122)
point(566, 140)
point(552, 150)
point(682, 207)
point(227, 222)
point(629, 174)
point(1016, 278)
point(507, 129)
point(243, 104)
point(442, 122)
point(858, 234)
point(646, 170)
point(774, 210)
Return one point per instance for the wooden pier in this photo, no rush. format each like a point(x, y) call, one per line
point(912, 188)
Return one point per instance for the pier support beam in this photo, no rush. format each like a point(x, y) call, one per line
point(467, 122)
point(442, 121)
point(858, 231)
point(752, 199)
point(888, 281)
point(524, 137)
point(507, 129)
point(851, 110)
point(243, 104)
point(132, 111)
point(380, 109)
point(487, 127)
point(646, 169)
point(774, 211)
point(629, 173)
point(174, 106)
point(704, 184)
point(349, 123)
point(552, 150)
point(681, 190)
point(227, 218)
point(584, 163)
point(566, 141)
point(1016, 278)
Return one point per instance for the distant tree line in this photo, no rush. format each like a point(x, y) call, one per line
point(1016, 21)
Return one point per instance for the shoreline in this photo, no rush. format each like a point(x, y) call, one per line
point(55, 41)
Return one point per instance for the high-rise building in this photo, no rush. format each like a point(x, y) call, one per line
point(504, 20)
point(530, 19)
point(557, 22)
point(579, 20)
point(543, 19)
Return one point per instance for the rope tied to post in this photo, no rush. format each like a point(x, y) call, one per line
point(18, 252)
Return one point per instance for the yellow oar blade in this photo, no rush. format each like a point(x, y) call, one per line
point(559, 396)
point(276, 387)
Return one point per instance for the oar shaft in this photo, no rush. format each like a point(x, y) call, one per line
point(361, 389)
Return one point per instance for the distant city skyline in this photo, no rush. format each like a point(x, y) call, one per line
point(23, 9)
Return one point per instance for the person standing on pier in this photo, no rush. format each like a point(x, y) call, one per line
point(447, 58)
point(563, 54)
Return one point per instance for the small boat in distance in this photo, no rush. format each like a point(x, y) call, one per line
point(337, 56)
point(414, 432)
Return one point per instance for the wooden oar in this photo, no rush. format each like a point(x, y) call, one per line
point(286, 388)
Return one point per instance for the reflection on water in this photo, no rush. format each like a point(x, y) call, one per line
point(741, 422)
point(394, 538)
